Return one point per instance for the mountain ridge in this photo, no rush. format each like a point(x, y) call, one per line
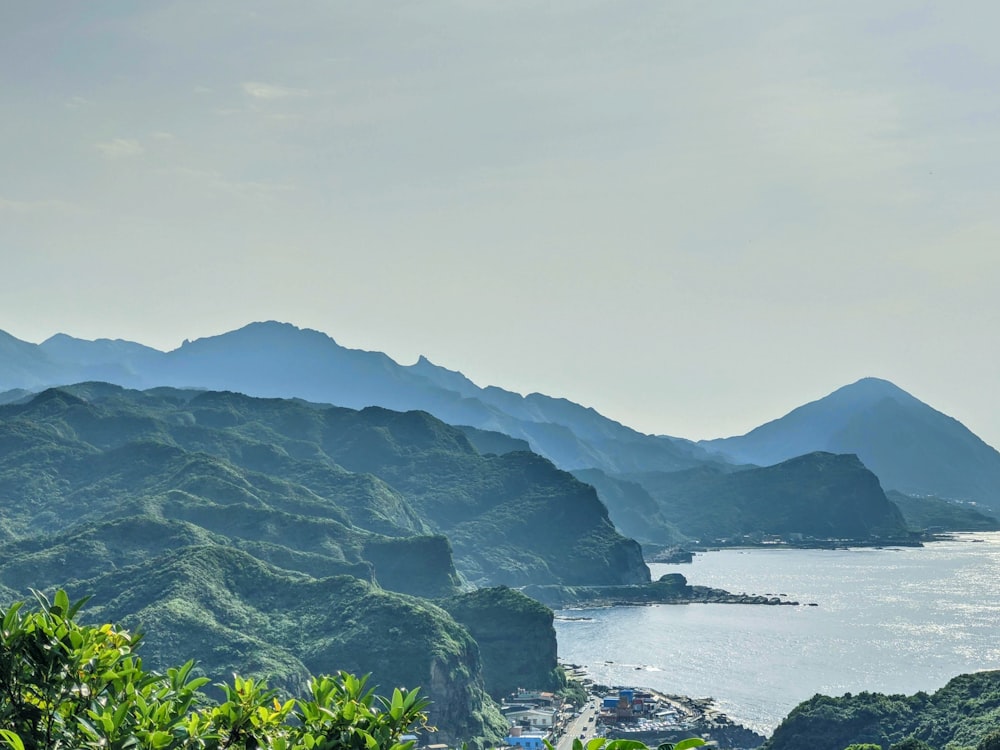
point(273, 359)
point(285, 538)
point(912, 447)
point(909, 445)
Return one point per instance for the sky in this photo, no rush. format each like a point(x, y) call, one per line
point(691, 216)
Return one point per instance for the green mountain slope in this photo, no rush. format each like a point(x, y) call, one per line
point(821, 495)
point(232, 613)
point(264, 536)
point(958, 715)
point(313, 479)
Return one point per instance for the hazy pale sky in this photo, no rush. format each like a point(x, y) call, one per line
point(692, 216)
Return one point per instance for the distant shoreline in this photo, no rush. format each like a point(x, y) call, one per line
point(671, 588)
point(683, 555)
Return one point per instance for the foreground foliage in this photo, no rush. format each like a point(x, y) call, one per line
point(68, 685)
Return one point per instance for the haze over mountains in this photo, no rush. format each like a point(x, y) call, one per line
point(910, 447)
point(279, 360)
point(228, 501)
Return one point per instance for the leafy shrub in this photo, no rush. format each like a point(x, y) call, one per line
point(82, 687)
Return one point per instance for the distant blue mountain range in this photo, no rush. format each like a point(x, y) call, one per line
point(279, 360)
point(910, 446)
point(907, 444)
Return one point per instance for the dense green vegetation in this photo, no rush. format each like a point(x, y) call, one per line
point(324, 481)
point(962, 714)
point(820, 495)
point(282, 539)
point(67, 686)
point(71, 686)
point(233, 613)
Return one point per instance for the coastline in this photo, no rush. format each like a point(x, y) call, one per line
point(690, 716)
point(671, 588)
point(761, 662)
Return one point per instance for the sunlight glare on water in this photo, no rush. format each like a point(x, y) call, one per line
point(888, 620)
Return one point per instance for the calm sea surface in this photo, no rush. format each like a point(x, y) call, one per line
point(889, 620)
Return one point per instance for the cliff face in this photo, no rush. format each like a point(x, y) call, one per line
point(418, 565)
point(516, 639)
point(512, 519)
point(460, 711)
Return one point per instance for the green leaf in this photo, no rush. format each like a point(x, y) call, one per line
point(689, 743)
point(60, 603)
point(626, 745)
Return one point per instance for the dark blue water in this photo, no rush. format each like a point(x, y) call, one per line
point(891, 620)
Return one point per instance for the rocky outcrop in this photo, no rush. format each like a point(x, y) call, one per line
point(516, 639)
point(672, 588)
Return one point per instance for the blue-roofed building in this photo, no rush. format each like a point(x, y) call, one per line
point(527, 740)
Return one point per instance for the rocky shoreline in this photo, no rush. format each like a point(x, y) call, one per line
point(686, 554)
point(672, 588)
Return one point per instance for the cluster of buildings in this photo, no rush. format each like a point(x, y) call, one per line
point(632, 706)
point(533, 715)
point(536, 716)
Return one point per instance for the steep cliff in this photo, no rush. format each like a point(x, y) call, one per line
point(516, 639)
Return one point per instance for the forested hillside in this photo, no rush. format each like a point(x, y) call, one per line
point(821, 495)
point(283, 538)
point(959, 715)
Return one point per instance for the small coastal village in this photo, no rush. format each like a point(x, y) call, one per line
point(617, 712)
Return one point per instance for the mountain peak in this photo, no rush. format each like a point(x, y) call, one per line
point(444, 378)
point(908, 444)
point(59, 338)
point(262, 334)
point(873, 387)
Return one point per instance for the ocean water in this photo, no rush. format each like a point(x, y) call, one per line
point(894, 620)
